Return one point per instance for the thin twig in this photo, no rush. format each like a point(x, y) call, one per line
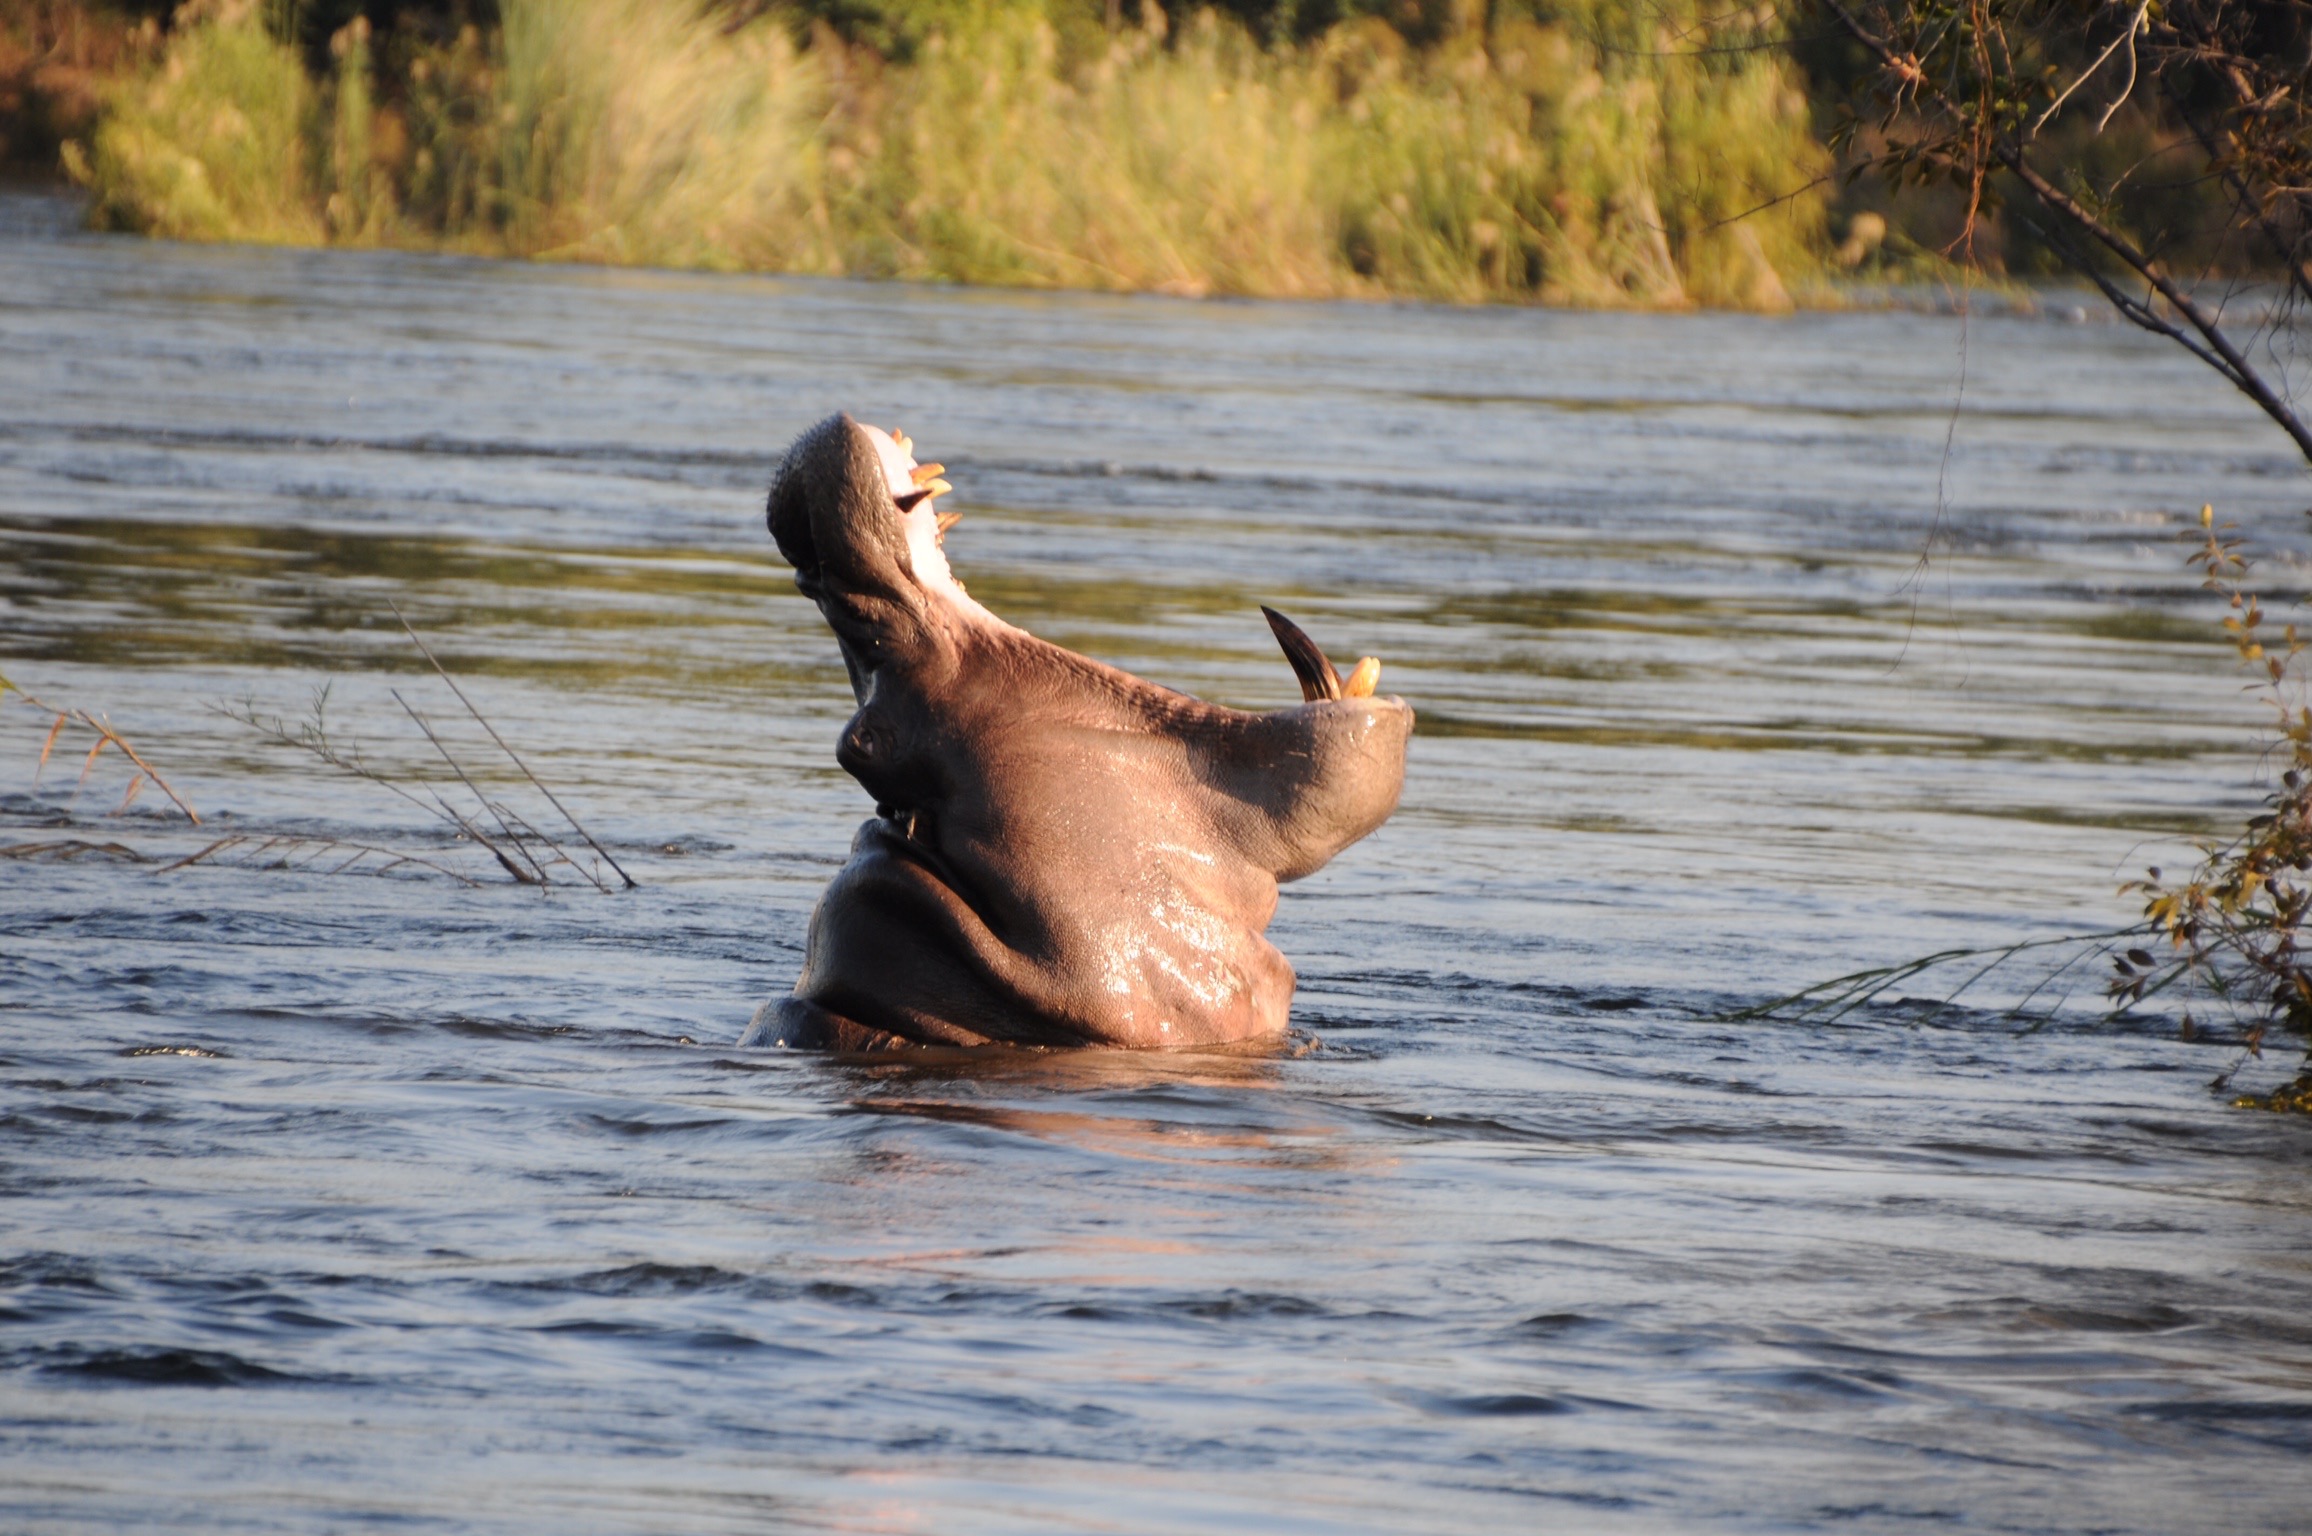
point(482, 721)
point(1829, 1001)
point(2088, 73)
point(538, 875)
point(511, 817)
point(218, 846)
point(71, 848)
point(1772, 202)
point(315, 739)
point(2134, 27)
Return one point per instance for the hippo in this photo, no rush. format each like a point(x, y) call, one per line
point(1061, 853)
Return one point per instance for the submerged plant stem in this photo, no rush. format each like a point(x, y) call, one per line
point(1830, 1001)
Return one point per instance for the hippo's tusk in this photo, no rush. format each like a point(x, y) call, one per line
point(948, 520)
point(923, 472)
point(1362, 681)
point(1318, 680)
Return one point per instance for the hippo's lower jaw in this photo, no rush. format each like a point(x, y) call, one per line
point(1062, 854)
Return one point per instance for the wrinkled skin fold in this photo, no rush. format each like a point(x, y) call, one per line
point(1062, 854)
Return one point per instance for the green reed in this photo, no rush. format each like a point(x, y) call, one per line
point(1531, 161)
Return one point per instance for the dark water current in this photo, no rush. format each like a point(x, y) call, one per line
point(349, 1201)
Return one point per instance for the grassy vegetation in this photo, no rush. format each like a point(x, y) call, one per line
point(1602, 156)
point(209, 142)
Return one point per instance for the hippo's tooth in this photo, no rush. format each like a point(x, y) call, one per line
point(905, 443)
point(923, 472)
point(1318, 680)
point(1364, 679)
point(936, 487)
point(948, 520)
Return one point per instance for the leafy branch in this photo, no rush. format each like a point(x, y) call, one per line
point(2236, 927)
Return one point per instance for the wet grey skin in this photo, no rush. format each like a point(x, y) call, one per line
point(1061, 853)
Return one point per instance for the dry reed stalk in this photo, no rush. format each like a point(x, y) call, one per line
point(516, 844)
point(536, 873)
point(1829, 1002)
point(106, 736)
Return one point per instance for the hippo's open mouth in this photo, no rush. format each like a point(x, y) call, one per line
point(1061, 852)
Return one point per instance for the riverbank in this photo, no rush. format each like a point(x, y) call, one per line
point(1522, 162)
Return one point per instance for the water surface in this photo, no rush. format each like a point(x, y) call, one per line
point(339, 1201)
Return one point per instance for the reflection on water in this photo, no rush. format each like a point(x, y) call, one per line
point(349, 1200)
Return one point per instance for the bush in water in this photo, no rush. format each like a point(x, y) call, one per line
point(2237, 927)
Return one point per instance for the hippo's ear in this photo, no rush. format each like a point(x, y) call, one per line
point(833, 517)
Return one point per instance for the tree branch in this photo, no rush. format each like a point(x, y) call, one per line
point(2214, 347)
point(2237, 368)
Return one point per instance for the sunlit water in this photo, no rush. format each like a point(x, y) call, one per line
point(339, 1201)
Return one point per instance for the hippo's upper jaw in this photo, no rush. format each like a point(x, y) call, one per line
point(1061, 853)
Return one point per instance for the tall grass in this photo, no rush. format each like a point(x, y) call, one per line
point(1534, 162)
point(212, 141)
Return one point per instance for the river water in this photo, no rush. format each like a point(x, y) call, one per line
point(340, 1200)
